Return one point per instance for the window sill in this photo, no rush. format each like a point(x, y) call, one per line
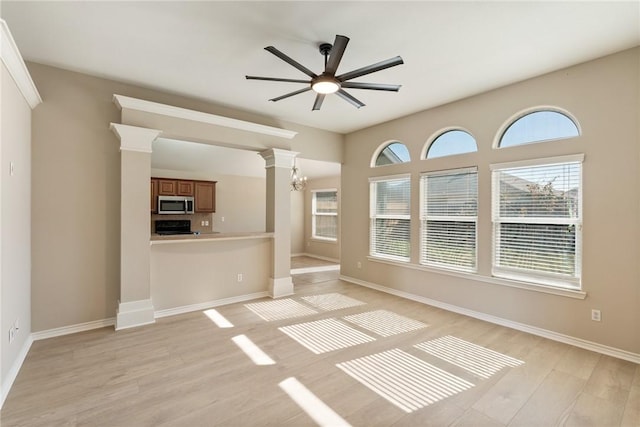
point(569, 293)
point(321, 240)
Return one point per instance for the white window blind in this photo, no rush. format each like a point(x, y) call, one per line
point(448, 218)
point(390, 213)
point(324, 207)
point(537, 223)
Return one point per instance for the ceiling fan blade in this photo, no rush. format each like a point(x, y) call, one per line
point(275, 79)
point(290, 61)
point(350, 99)
point(370, 69)
point(337, 50)
point(290, 94)
point(372, 86)
point(318, 103)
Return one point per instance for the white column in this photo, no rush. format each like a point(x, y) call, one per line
point(134, 306)
point(278, 164)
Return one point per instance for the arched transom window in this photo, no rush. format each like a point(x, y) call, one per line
point(539, 126)
point(395, 152)
point(452, 142)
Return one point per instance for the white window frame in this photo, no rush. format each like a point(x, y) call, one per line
point(315, 214)
point(424, 218)
point(537, 277)
point(373, 216)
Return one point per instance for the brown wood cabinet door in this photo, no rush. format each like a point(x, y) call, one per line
point(185, 188)
point(154, 195)
point(205, 196)
point(167, 187)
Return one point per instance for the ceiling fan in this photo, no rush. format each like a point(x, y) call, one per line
point(328, 82)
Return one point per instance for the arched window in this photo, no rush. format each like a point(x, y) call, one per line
point(452, 142)
point(393, 153)
point(539, 126)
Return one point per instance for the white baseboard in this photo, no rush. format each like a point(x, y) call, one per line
point(316, 269)
point(280, 287)
point(555, 336)
point(132, 314)
point(209, 304)
point(15, 368)
point(324, 258)
point(72, 329)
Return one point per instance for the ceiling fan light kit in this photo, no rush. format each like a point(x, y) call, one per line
point(327, 82)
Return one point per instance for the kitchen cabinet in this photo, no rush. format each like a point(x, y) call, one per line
point(205, 196)
point(154, 195)
point(203, 192)
point(167, 187)
point(184, 188)
point(175, 187)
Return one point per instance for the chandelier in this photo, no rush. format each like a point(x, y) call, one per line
point(297, 182)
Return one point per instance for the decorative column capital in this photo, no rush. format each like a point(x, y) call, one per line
point(133, 138)
point(276, 157)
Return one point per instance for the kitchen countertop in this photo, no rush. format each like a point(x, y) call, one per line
point(208, 237)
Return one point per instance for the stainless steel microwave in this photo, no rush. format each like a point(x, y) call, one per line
point(175, 205)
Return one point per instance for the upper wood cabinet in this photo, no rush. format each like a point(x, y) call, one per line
point(174, 187)
point(154, 195)
point(204, 192)
point(185, 188)
point(205, 196)
point(167, 187)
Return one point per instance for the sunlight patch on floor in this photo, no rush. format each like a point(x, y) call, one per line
point(322, 414)
point(280, 309)
point(385, 323)
point(333, 301)
point(254, 352)
point(217, 318)
point(476, 359)
point(325, 335)
point(403, 379)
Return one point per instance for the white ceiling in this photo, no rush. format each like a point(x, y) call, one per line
point(204, 49)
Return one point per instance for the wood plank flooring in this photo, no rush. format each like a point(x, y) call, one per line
point(187, 371)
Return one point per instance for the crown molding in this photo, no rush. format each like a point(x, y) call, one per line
point(17, 68)
point(276, 157)
point(182, 113)
point(133, 138)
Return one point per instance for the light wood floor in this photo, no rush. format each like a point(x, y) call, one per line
point(187, 371)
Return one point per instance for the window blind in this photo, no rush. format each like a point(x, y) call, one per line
point(448, 217)
point(390, 213)
point(537, 222)
point(325, 214)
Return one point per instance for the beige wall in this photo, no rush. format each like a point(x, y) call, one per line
point(604, 97)
point(316, 247)
point(198, 272)
point(15, 217)
point(76, 191)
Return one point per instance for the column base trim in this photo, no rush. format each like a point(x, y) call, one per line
point(134, 313)
point(280, 287)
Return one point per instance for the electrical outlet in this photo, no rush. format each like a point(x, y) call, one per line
point(12, 334)
point(359, 264)
point(206, 223)
point(239, 277)
point(596, 315)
